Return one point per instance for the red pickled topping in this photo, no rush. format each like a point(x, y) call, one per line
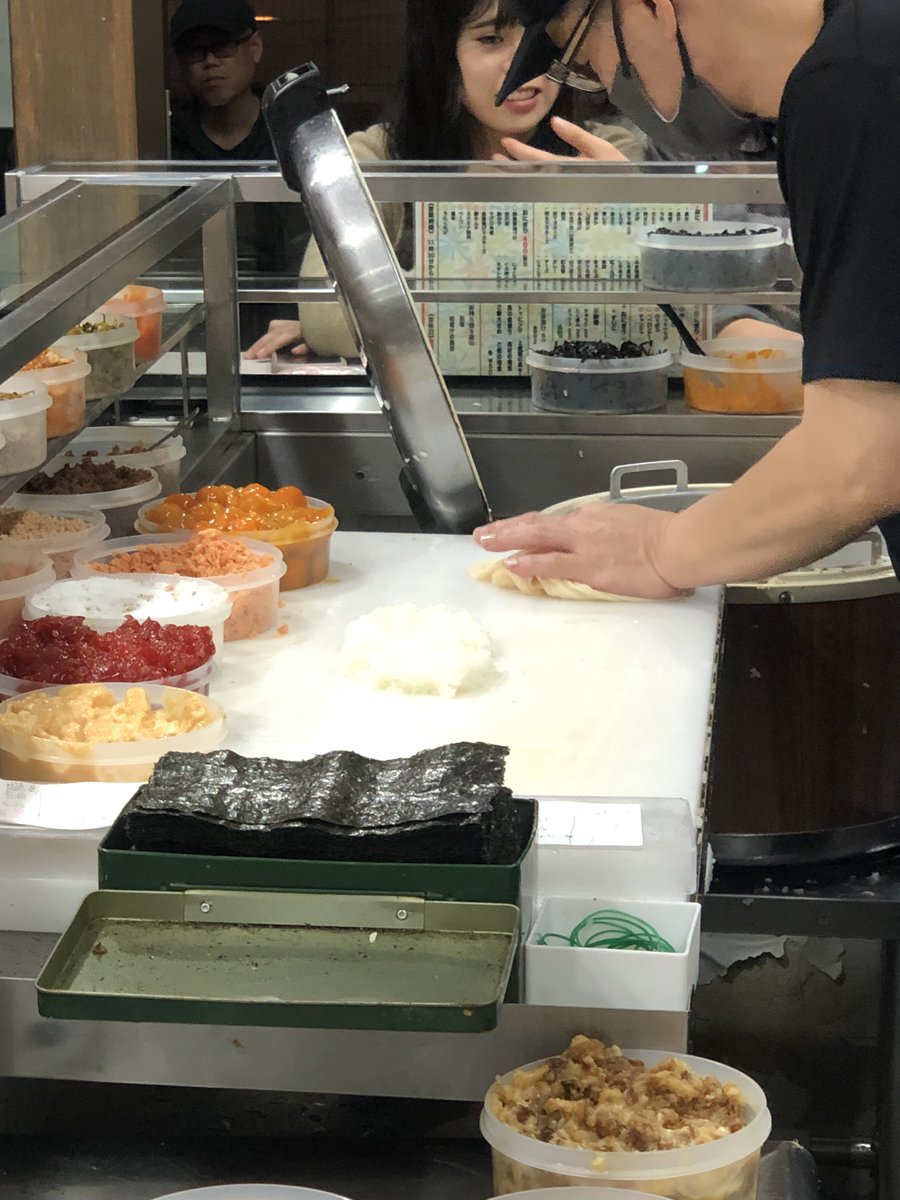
point(67, 650)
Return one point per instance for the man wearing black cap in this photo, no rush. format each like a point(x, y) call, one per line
point(697, 76)
point(218, 46)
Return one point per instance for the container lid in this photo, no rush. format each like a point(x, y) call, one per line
point(138, 493)
point(650, 1165)
point(126, 333)
point(112, 597)
point(292, 959)
point(30, 397)
point(708, 235)
point(585, 1193)
point(786, 359)
point(660, 361)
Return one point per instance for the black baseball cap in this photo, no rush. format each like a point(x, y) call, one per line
point(536, 52)
point(229, 17)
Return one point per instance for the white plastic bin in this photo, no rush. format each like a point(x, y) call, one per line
point(565, 977)
point(119, 506)
point(110, 353)
point(252, 1191)
point(23, 424)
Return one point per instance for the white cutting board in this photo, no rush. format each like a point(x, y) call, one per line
point(592, 699)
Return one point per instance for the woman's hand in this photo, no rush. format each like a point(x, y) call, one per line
point(610, 547)
point(589, 147)
point(280, 335)
point(751, 328)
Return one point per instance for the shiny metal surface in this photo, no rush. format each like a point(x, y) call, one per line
point(570, 182)
point(317, 160)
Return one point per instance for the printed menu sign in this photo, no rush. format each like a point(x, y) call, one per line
point(510, 244)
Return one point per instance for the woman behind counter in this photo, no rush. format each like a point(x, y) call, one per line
point(457, 55)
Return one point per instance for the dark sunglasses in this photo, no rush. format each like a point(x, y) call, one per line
point(192, 55)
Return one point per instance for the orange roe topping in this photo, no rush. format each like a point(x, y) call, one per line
point(237, 510)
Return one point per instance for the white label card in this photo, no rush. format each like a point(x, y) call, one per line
point(584, 823)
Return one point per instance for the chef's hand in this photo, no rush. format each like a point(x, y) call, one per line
point(751, 328)
point(589, 147)
point(610, 547)
point(279, 335)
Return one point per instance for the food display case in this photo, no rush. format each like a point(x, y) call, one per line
point(608, 715)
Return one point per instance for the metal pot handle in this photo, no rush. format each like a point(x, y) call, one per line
point(619, 474)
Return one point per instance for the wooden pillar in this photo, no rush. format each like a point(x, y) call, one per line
point(88, 80)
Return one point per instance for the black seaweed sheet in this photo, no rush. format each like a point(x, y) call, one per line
point(446, 805)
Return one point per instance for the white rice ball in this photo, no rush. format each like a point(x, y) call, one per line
point(434, 651)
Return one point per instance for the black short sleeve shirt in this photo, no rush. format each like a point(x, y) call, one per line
point(839, 161)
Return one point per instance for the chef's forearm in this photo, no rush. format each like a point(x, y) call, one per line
point(825, 482)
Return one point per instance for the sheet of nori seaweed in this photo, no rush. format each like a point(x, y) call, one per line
point(446, 805)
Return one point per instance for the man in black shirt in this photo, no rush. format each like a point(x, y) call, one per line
point(696, 75)
point(219, 49)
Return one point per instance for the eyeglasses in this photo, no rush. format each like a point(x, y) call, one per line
point(561, 72)
point(192, 55)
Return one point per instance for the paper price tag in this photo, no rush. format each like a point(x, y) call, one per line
point(62, 806)
point(584, 823)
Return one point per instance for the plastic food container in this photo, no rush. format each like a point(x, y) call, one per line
point(119, 507)
point(615, 385)
point(67, 386)
point(22, 573)
point(165, 459)
point(745, 375)
point(705, 261)
point(23, 424)
point(253, 595)
point(46, 760)
point(110, 353)
point(581, 977)
point(61, 548)
point(105, 600)
point(307, 555)
point(197, 681)
point(145, 305)
point(724, 1170)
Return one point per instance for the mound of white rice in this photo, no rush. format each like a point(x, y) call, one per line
point(433, 651)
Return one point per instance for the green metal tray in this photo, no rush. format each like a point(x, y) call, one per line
point(282, 959)
point(124, 868)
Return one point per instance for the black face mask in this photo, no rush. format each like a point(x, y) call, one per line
point(704, 123)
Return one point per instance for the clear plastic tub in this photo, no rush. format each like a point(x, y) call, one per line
point(616, 385)
point(197, 681)
point(145, 305)
point(23, 423)
point(67, 386)
point(110, 353)
point(119, 507)
point(165, 459)
point(22, 573)
point(105, 600)
point(727, 1169)
point(253, 595)
point(61, 548)
point(306, 548)
point(745, 375)
point(706, 261)
point(48, 760)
